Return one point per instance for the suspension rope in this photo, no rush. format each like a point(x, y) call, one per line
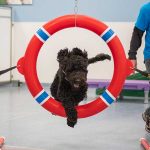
point(75, 12)
point(6, 70)
point(142, 72)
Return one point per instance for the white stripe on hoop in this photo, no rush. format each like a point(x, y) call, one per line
point(45, 31)
point(39, 38)
point(105, 31)
point(45, 100)
point(105, 101)
point(39, 94)
point(111, 38)
point(110, 95)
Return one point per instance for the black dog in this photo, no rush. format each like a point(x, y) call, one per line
point(69, 86)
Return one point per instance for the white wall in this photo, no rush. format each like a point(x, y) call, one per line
point(47, 64)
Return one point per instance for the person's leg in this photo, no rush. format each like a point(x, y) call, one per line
point(146, 118)
point(147, 65)
point(146, 114)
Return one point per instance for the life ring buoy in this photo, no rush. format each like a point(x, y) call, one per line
point(27, 64)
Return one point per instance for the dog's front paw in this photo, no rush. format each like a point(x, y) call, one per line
point(71, 123)
point(71, 117)
point(102, 56)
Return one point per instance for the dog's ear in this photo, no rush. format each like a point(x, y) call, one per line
point(85, 55)
point(77, 51)
point(63, 53)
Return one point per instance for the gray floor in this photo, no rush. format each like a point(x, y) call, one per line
point(24, 123)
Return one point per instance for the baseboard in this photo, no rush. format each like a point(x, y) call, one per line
point(2, 83)
point(133, 97)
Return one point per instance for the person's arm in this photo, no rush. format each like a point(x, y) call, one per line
point(135, 43)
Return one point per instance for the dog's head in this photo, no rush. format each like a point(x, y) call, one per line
point(74, 66)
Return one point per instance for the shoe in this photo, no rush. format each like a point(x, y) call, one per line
point(144, 116)
point(147, 128)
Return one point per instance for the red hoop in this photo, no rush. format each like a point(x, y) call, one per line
point(27, 64)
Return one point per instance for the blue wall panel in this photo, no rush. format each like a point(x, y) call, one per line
point(105, 10)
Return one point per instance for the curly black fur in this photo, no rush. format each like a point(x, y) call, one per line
point(69, 86)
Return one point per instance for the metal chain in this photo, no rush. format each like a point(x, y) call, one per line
point(76, 12)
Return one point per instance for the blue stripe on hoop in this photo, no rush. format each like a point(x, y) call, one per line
point(42, 34)
point(106, 96)
point(42, 97)
point(108, 35)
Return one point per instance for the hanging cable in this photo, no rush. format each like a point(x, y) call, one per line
point(6, 70)
point(142, 72)
point(76, 12)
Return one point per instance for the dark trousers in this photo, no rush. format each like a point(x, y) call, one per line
point(147, 65)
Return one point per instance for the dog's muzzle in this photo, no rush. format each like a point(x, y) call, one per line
point(78, 83)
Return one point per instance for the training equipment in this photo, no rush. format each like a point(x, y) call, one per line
point(27, 64)
point(145, 144)
point(6, 70)
point(2, 140)
point(128, 84)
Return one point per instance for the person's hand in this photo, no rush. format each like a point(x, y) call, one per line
point(134, 62)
